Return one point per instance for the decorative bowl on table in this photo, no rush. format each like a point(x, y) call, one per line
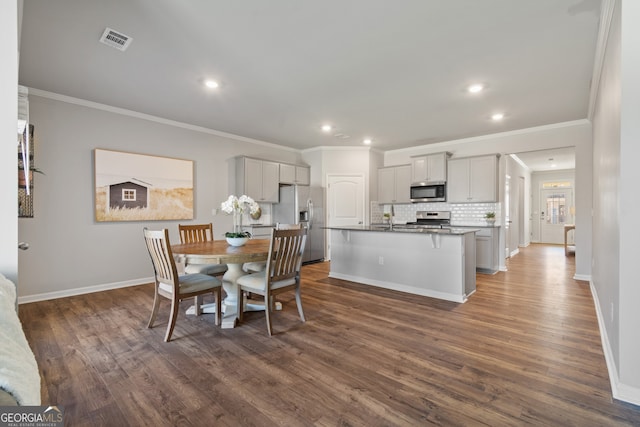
point(237, 241)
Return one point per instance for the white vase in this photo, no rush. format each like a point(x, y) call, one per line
point(237, 241)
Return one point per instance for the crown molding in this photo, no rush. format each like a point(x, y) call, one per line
point(445, 144)
point(606, 16)
point(339, 148)
point(148, 117)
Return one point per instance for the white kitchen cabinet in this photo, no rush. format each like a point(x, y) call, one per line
point(487, 253)
point(429, 168)
point(258, 231)
point(294, 174)
point(394, 184)
point(472, 179)
point(258, 179)
point(487, 250)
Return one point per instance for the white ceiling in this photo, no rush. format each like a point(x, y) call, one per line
point(392, 71)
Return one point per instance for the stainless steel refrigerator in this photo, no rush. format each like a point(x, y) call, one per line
point(302, 204)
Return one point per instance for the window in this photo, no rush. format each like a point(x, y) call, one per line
point(128, 195)
point(560, 184)
point(556, 208)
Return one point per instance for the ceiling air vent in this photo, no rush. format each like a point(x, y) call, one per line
point(115, 39)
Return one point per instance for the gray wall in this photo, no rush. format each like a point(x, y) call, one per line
point(8, 136)
point(69, 250)
point(616, 201)
point(606, 174)
point(629, 198)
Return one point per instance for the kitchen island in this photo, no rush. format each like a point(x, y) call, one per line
point(438, 263)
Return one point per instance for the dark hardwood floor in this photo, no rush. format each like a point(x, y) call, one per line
point(525, 349)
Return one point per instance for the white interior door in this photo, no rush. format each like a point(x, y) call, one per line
point(514, 217)
point(507, 216)
point(522, 241)
point(345, 202)
point(554, 214)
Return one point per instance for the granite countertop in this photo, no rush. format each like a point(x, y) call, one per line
point(482, 225)
point(400, 228)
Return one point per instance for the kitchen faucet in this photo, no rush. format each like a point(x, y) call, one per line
point(393, 214)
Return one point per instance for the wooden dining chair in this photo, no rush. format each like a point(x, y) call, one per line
point(194, 233)
point(256, 266)
point(170, 285)
point(281, 275)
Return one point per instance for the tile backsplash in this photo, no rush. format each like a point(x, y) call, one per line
point(461, 213)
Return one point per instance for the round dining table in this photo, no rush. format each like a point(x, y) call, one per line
point(221, 252)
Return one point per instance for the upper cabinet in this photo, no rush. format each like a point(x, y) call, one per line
point(258, 179)
point(473, 179)
point(293, 174)
point(429, 168)
point(394, 184)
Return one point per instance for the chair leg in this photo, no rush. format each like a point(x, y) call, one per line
point(240, 304)
point(299, 303)
point(175, 304)
point(218, 294)
point(267, 310)
point(154, 309)
point(198, 304)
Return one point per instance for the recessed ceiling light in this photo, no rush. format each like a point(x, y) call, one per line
point(211, 84)
point(367, 141)
point(497, 117)
point(326, 128)
point(475, 88)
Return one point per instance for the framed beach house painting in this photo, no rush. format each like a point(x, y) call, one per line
point(141, 187)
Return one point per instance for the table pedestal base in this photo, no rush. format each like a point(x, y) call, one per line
point(230, 315)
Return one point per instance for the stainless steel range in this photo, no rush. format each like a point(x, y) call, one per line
point(431, 219)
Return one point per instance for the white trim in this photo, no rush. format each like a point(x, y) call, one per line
point(585, 277)
point(606, 16)
point(339, 148)
point(524, 131)
point(401, 287)
point(130, 113)
point(619, 391)
point(86, 290)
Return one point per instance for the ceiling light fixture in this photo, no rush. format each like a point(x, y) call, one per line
point(211, 84)
point(475, 88)
point(326, 128)
point(497, 117)
point(367, 141)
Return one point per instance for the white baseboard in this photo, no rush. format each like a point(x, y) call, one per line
point(400, 287)
point(585, 277)
point(80, 291)
point(619, 391)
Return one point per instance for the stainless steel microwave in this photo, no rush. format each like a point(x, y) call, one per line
point(429, 192)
